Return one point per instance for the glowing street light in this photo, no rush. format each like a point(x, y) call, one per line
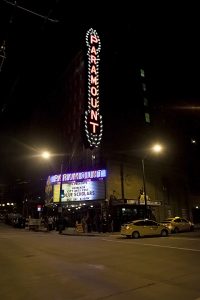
point(157, 148)
point(45, 155)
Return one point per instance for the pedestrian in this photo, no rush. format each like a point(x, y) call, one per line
point(97, 222)
point(84, 224)
point(61, 224)
point(89, 223)
point(110, 223)
point(50, 223)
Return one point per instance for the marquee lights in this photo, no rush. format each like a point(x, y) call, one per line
point(95, 174)
point(93, 119)
point(80, 191)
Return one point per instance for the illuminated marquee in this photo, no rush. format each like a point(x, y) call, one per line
point(80, 191)
point(93, 119)
point(78, 176)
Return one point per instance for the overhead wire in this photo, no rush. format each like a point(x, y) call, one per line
point(31, 11)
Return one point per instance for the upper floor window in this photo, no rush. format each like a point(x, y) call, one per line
point(145, 102)
point(142, 74)
point(147, 117)
point(144, 87)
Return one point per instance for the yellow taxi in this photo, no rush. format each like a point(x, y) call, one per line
point(178, 224)
point(139, 228)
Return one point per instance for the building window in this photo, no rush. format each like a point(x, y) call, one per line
point(142, 74)
point(145, 102)
point(144, 87)
point(147, 118)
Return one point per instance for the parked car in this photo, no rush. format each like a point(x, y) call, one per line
point(178, 224)
point(138, 228)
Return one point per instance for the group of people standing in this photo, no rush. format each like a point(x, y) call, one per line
point(96, 224)
point(55, 223)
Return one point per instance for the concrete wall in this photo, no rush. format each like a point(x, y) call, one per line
point(164, 184)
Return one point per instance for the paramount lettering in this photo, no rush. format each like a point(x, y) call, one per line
point(94, 102)
point(79, 176)
point(93, 50)
point(93, 79)
point(93, 39)
point(93, 91)
point(93, 123)
point(93, 70)
point(93, 59)
point(94, 126)
point(93, 115)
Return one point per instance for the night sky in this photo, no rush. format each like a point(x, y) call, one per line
point(161, 39)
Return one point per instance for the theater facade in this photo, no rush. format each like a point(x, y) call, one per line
point(103, 176)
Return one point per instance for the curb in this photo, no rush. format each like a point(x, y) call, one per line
point(92, 234)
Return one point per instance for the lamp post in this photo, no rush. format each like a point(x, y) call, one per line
point(156, 149)
point(61, 181)
point(2, 54)
point(60, 221)
point(144, 188)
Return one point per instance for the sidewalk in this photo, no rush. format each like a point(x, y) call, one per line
point(196, 226)
point(73, 231)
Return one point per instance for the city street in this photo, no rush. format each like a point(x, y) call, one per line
point(47, 265)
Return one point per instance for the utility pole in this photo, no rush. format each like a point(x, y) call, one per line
point(144, 189)
point(60, 199)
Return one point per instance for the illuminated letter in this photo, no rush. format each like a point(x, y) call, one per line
point(56, 178)
point(71, 176)
point(94, 126)
point(93, 70)
point(93, 50)
point(64, 177)
point(93, 91)
point(76, 176)
point(93, 39)
point(94, 175)
point(93, 59)
point(93, 115)
point(93, 80)
point(94, 102)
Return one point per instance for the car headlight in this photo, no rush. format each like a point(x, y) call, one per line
point(127, 227)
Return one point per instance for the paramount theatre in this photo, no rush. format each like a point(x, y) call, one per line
point(103, 136)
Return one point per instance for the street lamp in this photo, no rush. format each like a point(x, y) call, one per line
point(157, 148)
point(2, 54)
point(45, 155)
point(61, 191)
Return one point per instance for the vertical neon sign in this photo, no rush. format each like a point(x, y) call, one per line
point(93, 119)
